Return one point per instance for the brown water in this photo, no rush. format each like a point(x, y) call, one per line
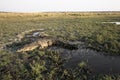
point(98, 63)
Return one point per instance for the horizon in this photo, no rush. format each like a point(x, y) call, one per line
point(64, 12)
point(32, 6)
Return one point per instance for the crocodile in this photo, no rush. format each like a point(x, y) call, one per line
point(39, 39)
point(40, 43)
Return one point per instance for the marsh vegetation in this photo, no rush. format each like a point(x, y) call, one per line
point(94, 39)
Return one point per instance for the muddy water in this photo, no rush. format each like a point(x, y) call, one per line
point(98, 63)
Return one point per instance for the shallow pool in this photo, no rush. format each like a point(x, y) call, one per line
point(117, 23)
point(97, 61)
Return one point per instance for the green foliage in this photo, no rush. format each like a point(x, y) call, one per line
point(48, 65)
point(106, 40)
point(82, 64)
point(66, 26)
point(37, 65)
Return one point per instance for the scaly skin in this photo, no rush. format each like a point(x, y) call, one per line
point(40, 43)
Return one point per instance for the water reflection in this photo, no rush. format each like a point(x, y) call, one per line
point(117, 23)
point(98, 62)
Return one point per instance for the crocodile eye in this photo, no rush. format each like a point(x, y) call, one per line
point(48, 43)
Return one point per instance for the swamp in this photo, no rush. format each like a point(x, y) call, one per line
point(60, 46)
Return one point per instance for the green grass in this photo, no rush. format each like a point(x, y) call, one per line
point(67, 26)
point(48, 65)
point(37, 65)
point(33, 65)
